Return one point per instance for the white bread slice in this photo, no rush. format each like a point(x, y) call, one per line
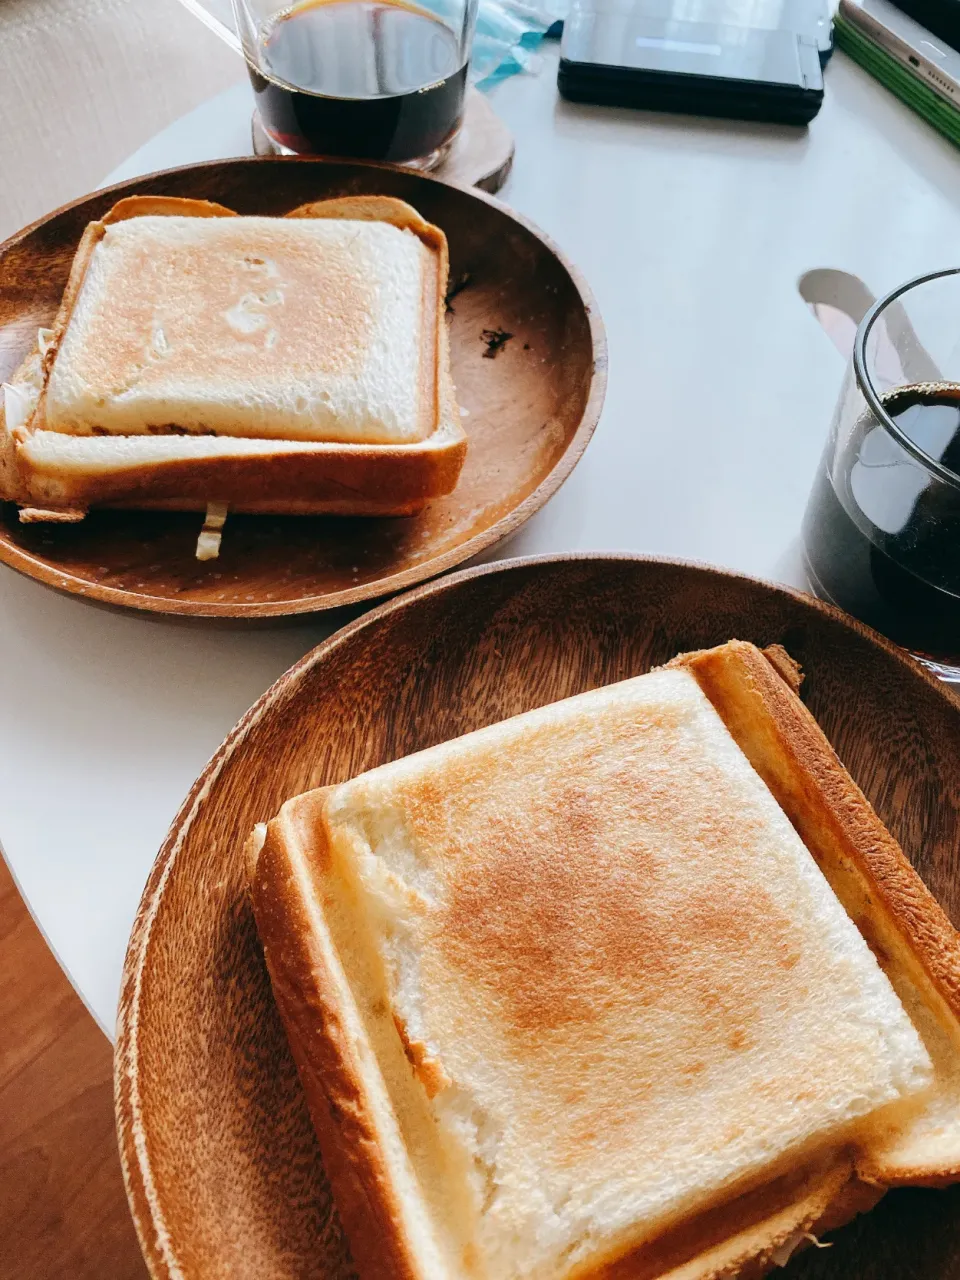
point(398, 441)
point(314, 329)
point(569, 997)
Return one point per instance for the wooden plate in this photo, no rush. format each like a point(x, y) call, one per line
point(531, 409)
point(221, 1165)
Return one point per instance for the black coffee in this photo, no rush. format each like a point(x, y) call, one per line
point(904, 579)
point(377, 81)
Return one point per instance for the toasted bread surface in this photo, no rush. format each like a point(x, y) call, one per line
point(271, 328)
point(355, 1104)
point(605, 991)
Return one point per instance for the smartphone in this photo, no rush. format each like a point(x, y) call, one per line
point(919, 52)
point(807, 17)
point(648, 55)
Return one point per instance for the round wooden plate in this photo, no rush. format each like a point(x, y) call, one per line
point(220, 1160)
point(532, 402)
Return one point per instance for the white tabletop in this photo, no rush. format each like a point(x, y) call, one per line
point(692, 234)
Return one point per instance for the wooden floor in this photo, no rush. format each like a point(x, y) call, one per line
point(62, 1206)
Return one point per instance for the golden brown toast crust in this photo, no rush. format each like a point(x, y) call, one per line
point(342, 479)
point(329, 479)
point(303, 985)
point(743, 1239)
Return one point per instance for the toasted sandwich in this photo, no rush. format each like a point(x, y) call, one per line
point(203, 359)
point(635, 986)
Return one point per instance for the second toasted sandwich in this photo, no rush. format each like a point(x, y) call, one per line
point(632, 986)
point(199, 358)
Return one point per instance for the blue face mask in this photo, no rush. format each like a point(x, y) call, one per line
point(508, 31)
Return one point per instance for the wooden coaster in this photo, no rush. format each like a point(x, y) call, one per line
point(481, 155)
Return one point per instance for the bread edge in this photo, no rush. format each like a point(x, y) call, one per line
point(304, 989)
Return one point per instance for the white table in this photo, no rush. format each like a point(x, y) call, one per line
point(693, 235)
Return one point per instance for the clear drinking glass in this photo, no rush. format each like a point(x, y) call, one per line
point(881, 532)
point(368, 79)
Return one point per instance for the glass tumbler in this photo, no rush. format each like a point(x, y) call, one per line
point(367, 79)
point(881, 533)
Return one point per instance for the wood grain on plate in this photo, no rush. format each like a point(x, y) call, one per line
point(531, 409)
point(222, 1167)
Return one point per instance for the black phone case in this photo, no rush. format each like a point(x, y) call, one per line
point(691, 95)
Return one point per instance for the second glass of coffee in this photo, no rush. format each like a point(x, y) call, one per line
point(881, 533)
point(365, 79)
